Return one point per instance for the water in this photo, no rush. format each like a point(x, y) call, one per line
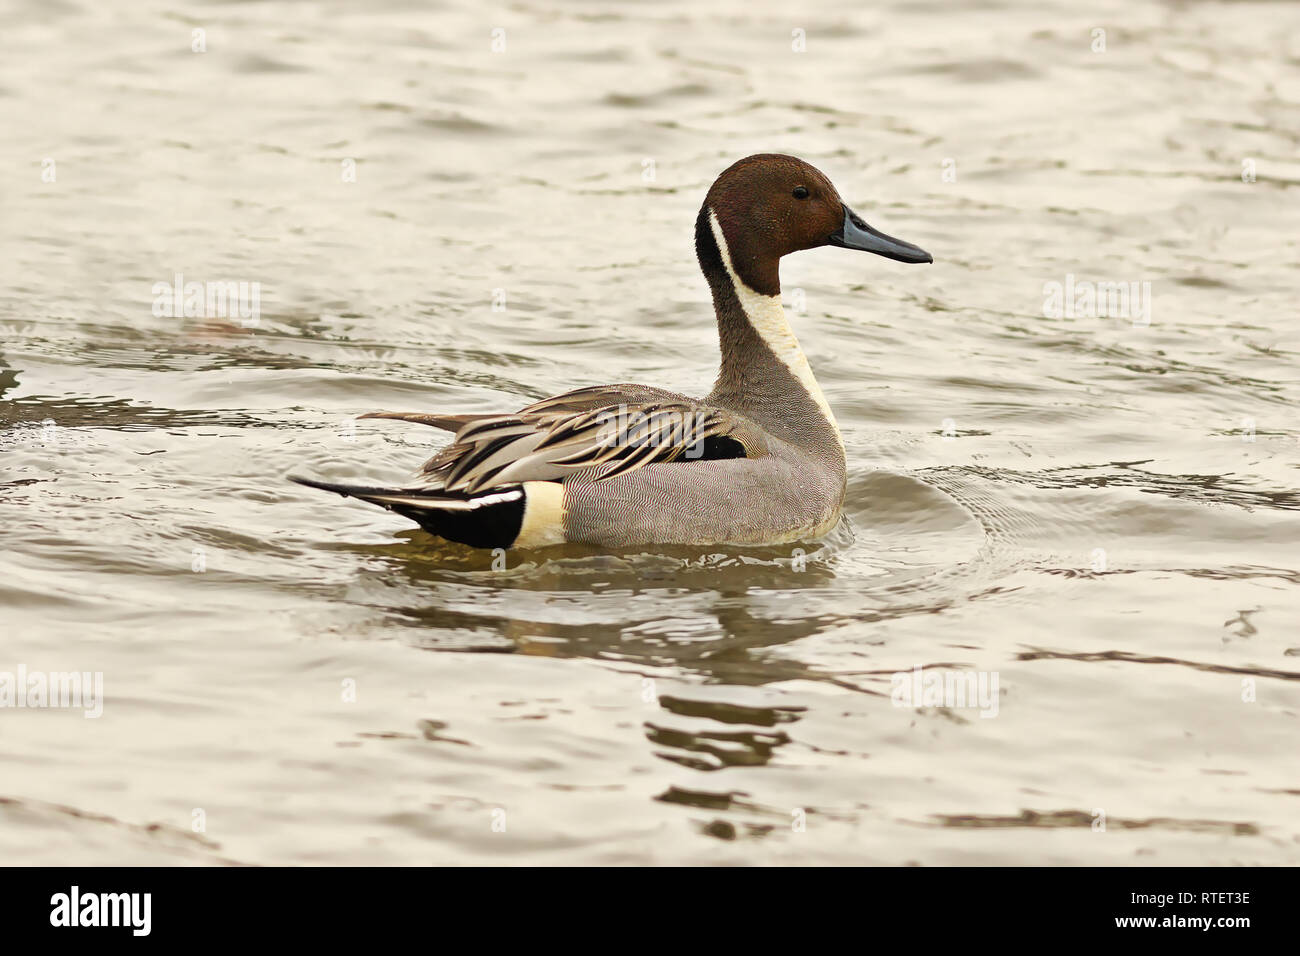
point(1100, 511)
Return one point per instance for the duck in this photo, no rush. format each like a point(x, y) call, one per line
point(759, 461)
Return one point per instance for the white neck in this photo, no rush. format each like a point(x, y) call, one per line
point(767, 317)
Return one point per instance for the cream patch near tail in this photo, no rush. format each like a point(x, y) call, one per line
point(543, 522)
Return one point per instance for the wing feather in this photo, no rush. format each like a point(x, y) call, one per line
point(553, 442)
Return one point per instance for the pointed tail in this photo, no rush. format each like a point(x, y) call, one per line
point(489, 519)
point(448, 423)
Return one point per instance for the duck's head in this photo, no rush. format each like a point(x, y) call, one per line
point(769, 205)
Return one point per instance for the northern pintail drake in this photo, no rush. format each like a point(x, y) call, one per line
point(759, 461)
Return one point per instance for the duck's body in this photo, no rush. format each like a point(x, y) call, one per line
point(758, 461)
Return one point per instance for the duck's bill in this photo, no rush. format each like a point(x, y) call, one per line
point(856, 234)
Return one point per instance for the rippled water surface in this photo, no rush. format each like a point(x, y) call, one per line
point(1102, 512)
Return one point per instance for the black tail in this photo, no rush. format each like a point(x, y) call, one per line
point(486, 519)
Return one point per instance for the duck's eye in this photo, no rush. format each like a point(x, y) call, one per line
point(800, 192)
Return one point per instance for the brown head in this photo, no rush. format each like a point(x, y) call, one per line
point(770, 205)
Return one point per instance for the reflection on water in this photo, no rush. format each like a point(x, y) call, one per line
point(1101, 512)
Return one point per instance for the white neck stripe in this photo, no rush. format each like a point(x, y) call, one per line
point(767, 317)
